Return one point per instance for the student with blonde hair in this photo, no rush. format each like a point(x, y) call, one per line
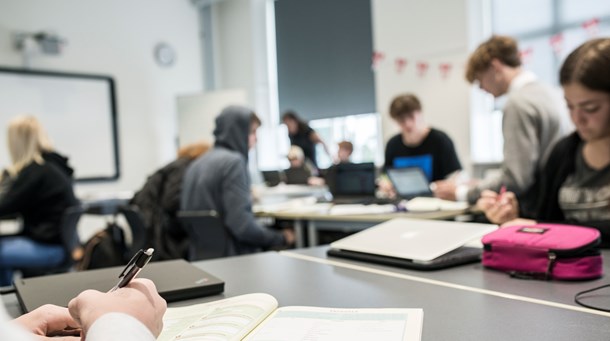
point(38, 187)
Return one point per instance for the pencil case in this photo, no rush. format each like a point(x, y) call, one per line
point(544, 251)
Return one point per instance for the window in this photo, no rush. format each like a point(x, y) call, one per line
point(547, 32)
point(363, 131)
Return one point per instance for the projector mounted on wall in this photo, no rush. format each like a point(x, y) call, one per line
point(30, 43)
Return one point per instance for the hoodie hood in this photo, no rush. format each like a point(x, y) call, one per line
point(59, 161)
point(232, 129)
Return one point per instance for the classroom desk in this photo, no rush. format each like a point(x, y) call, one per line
point(474, 276)
point(314, 221)
point(449, 313)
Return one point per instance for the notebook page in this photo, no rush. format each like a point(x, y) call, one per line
point(326, 324)
point(227, 319)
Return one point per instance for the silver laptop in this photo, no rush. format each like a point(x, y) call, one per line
point(409, 182)
point(414, 243)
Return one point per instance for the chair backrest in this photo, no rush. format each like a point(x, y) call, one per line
point(208, 237)
point(69, 229)
point(138, 230)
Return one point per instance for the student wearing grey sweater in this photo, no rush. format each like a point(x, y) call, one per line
point(531, 123)
point(218, 180)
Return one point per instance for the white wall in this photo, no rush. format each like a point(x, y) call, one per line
point(117, 37)
point(244, 54)
point(435, 31)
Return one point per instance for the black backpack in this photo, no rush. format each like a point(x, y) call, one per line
point(105, 249)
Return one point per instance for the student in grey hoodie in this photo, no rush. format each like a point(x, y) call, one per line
point(218, 180)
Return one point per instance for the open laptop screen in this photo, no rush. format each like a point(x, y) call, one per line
point(351, 179)
point(409, 182)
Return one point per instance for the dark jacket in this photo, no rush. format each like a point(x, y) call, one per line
point(159, 201)
point(218, 180)
point(40, 193)
point(562, 163)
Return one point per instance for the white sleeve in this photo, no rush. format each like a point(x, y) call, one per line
point(10, 330)
point(118, 326)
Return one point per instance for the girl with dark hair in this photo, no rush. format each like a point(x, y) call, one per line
point(301, 134)
point(576, 180)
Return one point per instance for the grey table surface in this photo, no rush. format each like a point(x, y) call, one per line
point(449, 313)
point(476, 276)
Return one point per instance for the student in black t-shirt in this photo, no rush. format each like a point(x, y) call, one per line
point(301, 134)
point(418, 144)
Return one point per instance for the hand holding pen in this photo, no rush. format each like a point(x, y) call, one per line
point(135, 265)
point(499, 207)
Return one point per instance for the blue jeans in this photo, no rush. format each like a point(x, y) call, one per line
point(21, 252)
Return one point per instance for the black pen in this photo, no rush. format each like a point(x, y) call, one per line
point(135, 265)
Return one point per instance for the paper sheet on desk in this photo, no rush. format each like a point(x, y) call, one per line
point(361, 209)
point(300, 205)
point(426, 204)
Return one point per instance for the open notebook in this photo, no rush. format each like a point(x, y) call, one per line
point(257, 317)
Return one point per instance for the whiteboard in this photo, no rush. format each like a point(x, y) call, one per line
point(78, 112)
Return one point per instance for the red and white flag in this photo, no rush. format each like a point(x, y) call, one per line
point(377, 58)
point(526, 55)
point(592, 27)
point(444, 68)
point(422, 68)
point(400, 64)
point(556, 42)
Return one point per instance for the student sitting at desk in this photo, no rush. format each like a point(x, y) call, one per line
point(344, 154)
point(38, 189)
point(418, 144)
point(301, 171)
point(132, 313)
point(575, 184)
point(218, 180)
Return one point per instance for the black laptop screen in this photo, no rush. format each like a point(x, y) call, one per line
point(354, 179)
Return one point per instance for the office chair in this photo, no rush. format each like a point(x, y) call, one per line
point(208, 237)
point(138, 230)
point(70, 240)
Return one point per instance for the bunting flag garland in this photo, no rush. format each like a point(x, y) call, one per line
point(557, 42)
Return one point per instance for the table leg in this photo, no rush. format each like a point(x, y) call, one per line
point(312, 233)
point(298, 232)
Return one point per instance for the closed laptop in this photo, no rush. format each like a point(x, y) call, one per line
point(414, 243)
point(175, 280)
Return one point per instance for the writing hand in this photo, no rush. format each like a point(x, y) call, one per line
point(138, 299)
point(48, 322)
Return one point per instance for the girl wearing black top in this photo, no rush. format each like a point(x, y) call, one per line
point(39, 189)
point(301, 134)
